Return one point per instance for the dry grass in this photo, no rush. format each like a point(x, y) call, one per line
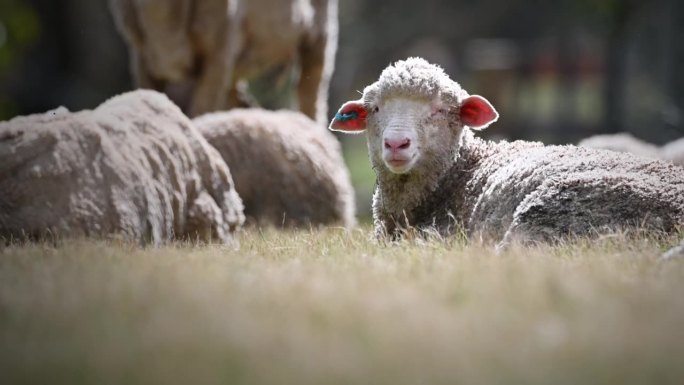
point(325, 307)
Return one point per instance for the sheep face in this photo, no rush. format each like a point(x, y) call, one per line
point(403, 133)
point(409, 134)
point(414, 116)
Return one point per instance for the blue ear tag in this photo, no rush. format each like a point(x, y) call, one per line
point(344, 117)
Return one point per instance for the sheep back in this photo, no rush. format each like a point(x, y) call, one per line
point(134, 167)
point(621, 142)
point(548, 192)
point(287, 169)
point(674, 151)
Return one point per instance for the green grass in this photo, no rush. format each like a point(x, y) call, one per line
point(327, 307)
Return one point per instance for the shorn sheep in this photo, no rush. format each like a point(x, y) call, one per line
point(287, 169)
point(433, 173)
point(625, 142)
point(133, 168)
point(198, 50)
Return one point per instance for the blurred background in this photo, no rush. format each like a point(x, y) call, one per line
point(556, 71)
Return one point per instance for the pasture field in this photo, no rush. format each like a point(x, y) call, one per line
point(330, 307)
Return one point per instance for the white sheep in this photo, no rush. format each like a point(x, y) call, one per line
point(134, 167)
point(287, 169)
point(432, 173)
point(625, 142)
point(198, 50)
point(674, 151)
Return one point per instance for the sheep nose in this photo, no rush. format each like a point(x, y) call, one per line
point(397, 144)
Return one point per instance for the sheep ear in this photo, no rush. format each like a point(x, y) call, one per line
point(476, 112)
point(351, 118)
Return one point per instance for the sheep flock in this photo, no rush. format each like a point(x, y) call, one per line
point(179, 159)
point(136, 167)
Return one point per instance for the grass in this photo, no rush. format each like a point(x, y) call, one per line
point(327, 307)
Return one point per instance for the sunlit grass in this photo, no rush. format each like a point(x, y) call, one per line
point(331, 307)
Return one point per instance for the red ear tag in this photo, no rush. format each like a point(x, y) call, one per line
point(350, 118)
point(476, 112)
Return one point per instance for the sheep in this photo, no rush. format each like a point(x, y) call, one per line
point(674, 151)
point(625, 142)
point(621, 142)
point(288, 170)
point(434, 174)
point(134, 168)
point(198, 51)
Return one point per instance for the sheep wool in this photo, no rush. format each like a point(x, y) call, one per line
point(621, 142)
point(201, 52)
point(674, 151)
point(433, 174)
point(288, 169)
point(134, 167)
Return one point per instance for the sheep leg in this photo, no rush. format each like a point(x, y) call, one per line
point(239, 96)
point(312, 90)
point(141, 76)
point(317, 61)
point(215, 31)
point(126, 17)
point(210, 92)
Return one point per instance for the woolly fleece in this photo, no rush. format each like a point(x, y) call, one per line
point(134, 167)
point(625, 142)
point(287, 169)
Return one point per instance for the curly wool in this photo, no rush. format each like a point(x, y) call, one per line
point(135, 167)
point(287, 169)
point(621, 142)
point(674, 151)
point(414, 77)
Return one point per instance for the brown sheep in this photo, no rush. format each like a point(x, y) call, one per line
point(198, 50)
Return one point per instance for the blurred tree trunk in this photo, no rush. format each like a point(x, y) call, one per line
point(675, 79)
point(567, 53)
point(616, 65)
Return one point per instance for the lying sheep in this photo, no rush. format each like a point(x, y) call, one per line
point(287, 169)
point(622, 142)
point(432, 173)
point(625, 142)
point(198, 50)
point(134, 167)
point(674, 151)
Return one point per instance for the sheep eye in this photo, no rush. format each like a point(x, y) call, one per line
point(376, 109)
